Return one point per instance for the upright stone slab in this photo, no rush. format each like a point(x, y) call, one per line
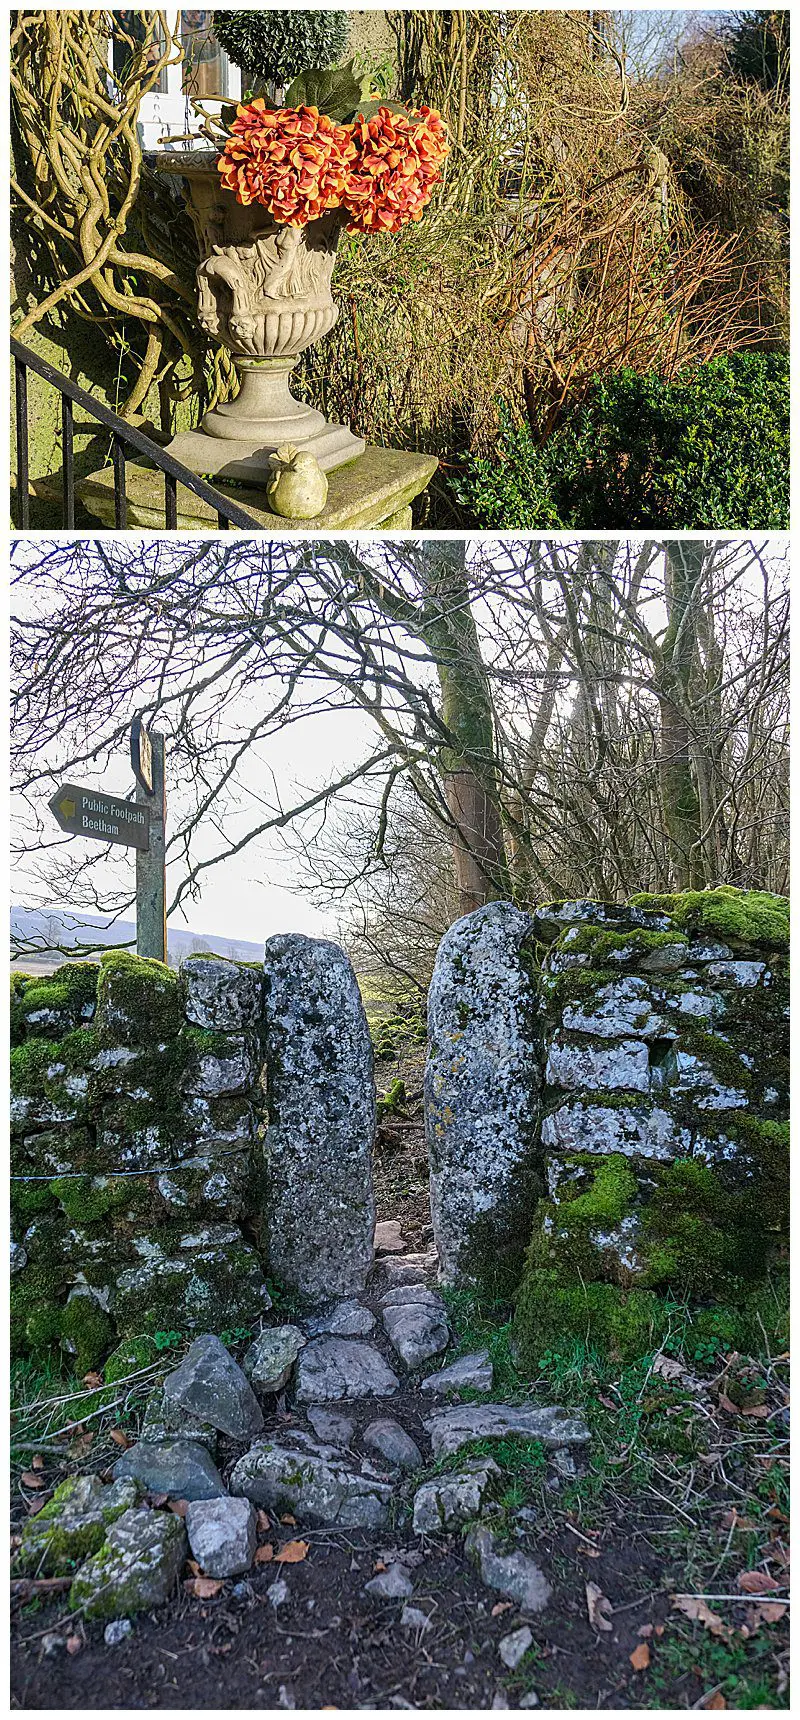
point(321, 1107)
point(482, 1086)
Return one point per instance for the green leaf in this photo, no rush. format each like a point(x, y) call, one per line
point(336, 92)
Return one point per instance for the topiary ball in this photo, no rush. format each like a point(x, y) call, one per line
point(272, 47)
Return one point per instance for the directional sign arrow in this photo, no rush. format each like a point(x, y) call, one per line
point(102, 817)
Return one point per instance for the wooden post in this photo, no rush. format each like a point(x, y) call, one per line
point(151, 887)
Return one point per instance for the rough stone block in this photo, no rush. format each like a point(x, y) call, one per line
point(624, 1066)
point(482, 1094)
point(220, 995)
point(222, 1535)
point(136, 1568)
point(316, 1483)
point(322, 1112)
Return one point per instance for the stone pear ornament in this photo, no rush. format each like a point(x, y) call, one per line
point(298, 489)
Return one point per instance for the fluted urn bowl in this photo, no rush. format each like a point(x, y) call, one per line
point(264, 292)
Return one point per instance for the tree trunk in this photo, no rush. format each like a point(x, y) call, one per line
point(684, 565)
point(468, 761)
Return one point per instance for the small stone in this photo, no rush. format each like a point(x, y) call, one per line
point(52, 1642)
point(285, 1696)
point(500, 1700)
point(314, 1482)
point(222, 1535)
point(116, 1631)
point(476, 1372)
point(452, 1499)
point(529, 1700)
point(393, 1443)
point(346, 1320)
point(412, 1618)
point(405, 1270)
point(511, 1574)
point(269, 1361)
point(555, 1427)
point(416, 1331)
point(180, 1468)
point(136, 1568)
point(511, 1648)
point(211, 1385)
point(331, 1428)
point(278, 1593)
point(333, 1368)
point(391, 1585)
point(389, 1237)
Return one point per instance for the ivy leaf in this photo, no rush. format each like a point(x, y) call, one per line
point(335, 92)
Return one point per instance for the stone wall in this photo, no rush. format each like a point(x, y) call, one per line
point(657, 1039)
point(149, 1193)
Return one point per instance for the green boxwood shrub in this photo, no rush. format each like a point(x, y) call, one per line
point(271, 47)
point(709, 451)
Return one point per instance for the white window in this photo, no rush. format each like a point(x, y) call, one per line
point(205, 73)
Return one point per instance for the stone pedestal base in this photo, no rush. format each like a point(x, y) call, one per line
point(237, 438)
point(372, 492)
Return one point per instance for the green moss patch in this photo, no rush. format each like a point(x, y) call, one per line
point(65, 999)
point(139, 1001)
point(751, 917)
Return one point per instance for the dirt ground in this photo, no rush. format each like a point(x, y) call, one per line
point(331, 1646)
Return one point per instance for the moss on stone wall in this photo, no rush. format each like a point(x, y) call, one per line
point(751, 917)
point(139, 1001)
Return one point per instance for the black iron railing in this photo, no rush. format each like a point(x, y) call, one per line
point(123, 436)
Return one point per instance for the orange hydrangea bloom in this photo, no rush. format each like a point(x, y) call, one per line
point(398, 163)
point(294, 161)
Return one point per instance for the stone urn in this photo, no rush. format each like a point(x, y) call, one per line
point(264, 292)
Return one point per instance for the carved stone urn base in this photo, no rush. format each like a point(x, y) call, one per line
point(236, 439)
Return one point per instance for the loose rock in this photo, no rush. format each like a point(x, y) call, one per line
point(211, 1385)
point(416, 1330)
point(116, 1631)
point(412, 1618)
point(451, 1499)
point(316, 1483)
point(222, 1535)
point(136, 1567)
point(333, 1368)
point(331, 1428)
point(346, 1320)
point(511, 1574)
point(393, 1443)
point(72, 1525)
point(476, 1372)
point(388, 1237)
point(164, 1419)
point(181, 1468)
point(511, 1648)
point(278, 1593)
point(451, 1428)
point(391, 1585)
point(269, 1361)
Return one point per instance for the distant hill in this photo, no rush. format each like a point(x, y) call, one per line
point(35, 932)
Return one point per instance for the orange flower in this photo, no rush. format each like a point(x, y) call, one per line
point(398, 163)
point(294, 161)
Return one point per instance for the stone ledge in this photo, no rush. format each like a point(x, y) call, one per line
point(376, 490)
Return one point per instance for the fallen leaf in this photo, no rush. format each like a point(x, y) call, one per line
point(74, 1644)
point(756, 1583)
point(645, 1630)
point(716, 1700)
point(29, 1479)
point(179, 1507)
point(120, 1438)
point(78, 1446)
point(767, 1612)
point(695, 1608)
point(292, 1521)
point(158, 1499)
point(37, 1462)
point(262, 1519)
point(640, 1658)
point(598, 1606)
point(501, 1607)
point(779, 1555)
point(292, 1554)
point(193, 1566)
point(608, 1403)
point(668, 1368)
point(780, 1516)
point(725, 1403)
point(265, 1553)
point(659, 1630)
point(92, 1379)
point(760, 1410)
point(203, 1587)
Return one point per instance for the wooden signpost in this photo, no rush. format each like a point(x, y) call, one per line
point(139, 824)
